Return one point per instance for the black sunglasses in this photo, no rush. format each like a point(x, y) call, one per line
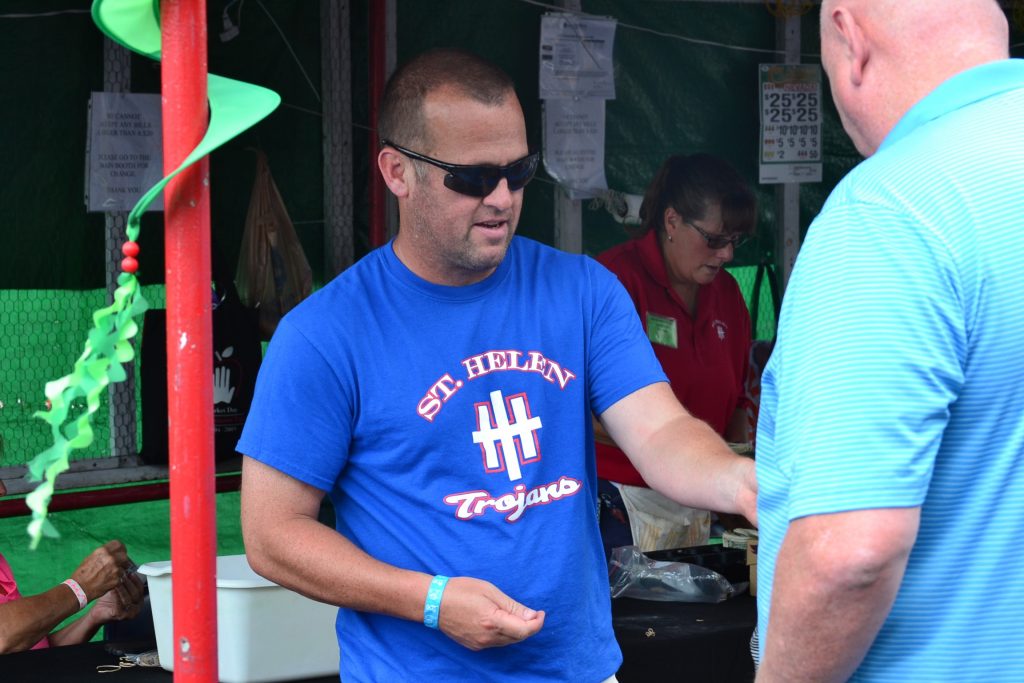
point(719, 241)
point(478, 180)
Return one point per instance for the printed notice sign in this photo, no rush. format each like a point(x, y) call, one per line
point(576, 56)
point(574, 145)
point(790, 123)
point(124, 157)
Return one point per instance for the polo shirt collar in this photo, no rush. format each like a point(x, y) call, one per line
point(967, 87)
point(649, 249)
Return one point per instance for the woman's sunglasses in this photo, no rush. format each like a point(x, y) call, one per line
point(478, 180)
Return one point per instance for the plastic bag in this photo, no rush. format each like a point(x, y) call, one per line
point(634, 575)
point(273, 274)
point(658, 523)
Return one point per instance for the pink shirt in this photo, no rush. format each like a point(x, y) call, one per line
point(9, 593)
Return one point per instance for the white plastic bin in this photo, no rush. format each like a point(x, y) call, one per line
point(264, 632)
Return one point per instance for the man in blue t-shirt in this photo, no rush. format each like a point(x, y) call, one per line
point(891, 432)
point(440, 392)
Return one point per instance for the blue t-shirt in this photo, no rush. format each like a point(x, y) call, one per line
point(451, 427)
point(897, 378)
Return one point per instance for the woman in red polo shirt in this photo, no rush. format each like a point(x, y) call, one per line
point(695, 213)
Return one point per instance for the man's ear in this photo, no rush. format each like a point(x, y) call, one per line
point(393, 167)
point(853, 41)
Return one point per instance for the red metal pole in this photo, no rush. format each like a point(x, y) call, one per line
point(378, 66)
point(189, 343)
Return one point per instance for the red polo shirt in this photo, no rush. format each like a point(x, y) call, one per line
point(705, 358)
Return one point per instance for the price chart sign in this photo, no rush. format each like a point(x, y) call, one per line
point(790, 123)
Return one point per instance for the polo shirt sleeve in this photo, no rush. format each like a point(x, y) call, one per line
point(873, 349)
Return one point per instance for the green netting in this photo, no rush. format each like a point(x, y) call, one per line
point(746, 278)
point(50, 325)
point(45, 332)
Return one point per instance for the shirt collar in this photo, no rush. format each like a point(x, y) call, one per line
point(967, 87)
point(649, 249)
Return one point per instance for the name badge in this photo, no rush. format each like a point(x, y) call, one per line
point(662, 330)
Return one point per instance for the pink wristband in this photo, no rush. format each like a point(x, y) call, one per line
point(79, 593)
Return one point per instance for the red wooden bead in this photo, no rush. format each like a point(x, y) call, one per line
point(129, 265)
point(130, 249)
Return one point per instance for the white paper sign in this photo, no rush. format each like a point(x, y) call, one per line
point(790, 123)
point(576, 56)
point(574, 145)
point(124, 157)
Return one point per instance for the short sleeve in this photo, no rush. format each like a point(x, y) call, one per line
point(870, 356)
point(301, 417)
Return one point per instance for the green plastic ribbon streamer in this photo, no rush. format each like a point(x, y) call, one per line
point(234, 107)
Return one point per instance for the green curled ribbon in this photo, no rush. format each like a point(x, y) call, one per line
point(234, 107)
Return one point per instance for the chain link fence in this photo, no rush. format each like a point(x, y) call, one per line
point(44, 332)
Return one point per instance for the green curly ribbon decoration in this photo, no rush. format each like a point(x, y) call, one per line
point(234, 107)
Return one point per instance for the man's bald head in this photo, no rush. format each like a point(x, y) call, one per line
point(883, 56)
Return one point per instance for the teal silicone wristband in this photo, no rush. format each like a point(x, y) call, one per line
point(432, 607)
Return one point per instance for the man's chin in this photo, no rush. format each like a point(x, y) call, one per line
point(486, 257)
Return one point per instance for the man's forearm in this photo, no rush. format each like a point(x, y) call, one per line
point(689, 463)
point(835, 580)
point(313, 559)
point(285, 543)
point(680, 456)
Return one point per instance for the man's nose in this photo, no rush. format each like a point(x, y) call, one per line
point(500, 197)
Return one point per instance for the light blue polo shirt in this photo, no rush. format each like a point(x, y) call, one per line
point(898, 378)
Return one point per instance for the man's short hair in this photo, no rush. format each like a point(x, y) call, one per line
point(401, 119)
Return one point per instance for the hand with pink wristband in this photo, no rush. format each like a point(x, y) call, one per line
point(102, 570)
point(106, 577)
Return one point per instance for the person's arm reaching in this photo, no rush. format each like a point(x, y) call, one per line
point(836, 577)
point(286, 544)
point(680, 456)
point(24, 622)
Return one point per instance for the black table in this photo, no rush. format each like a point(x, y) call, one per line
point(672, 641)
point(680, 641)
point(77, 663)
